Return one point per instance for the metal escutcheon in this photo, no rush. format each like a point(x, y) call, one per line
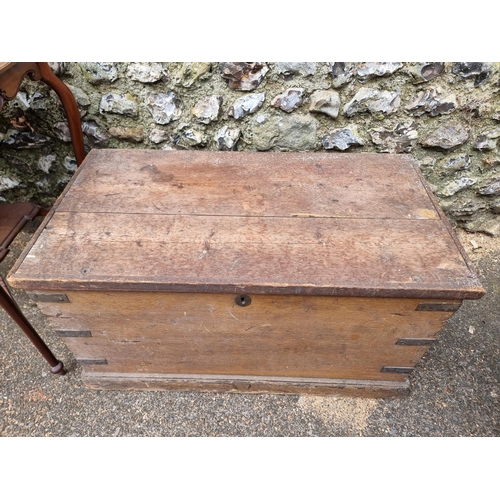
point(242, 300)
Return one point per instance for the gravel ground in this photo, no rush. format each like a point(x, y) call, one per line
point(455, 389)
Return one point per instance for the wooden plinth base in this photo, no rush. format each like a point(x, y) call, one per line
point(242, 384)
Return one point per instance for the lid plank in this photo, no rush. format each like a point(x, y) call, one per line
point(262, 184)
point(296, 223)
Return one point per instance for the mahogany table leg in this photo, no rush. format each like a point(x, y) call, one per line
point(70, 107)
point(8, 304)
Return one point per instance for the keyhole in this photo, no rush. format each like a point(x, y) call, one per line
point(243, 300)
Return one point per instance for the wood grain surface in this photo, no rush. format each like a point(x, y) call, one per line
point(348, 265)
point(257, 254)
point(291, 223)
point(247, 384)
point(268, 184)
point(276, 335)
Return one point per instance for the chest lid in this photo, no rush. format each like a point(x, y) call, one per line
point(231, 222)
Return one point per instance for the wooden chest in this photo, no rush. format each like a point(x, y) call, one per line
point(261, 272)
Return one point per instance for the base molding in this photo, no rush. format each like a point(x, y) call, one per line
point(244, 384)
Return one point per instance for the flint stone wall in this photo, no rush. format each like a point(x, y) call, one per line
point(447, 115)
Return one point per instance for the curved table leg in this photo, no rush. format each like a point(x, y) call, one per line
point(70, 107)
point(12, 309)
point(11, 76)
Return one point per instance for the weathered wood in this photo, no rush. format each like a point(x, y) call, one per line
point(92, 361)
point(259, 385)
point(257, 272)
point(299, 223)
point(317, 337)
point(268, 184)
point(255, 254)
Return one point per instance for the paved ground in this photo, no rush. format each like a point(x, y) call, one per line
point(455, 390)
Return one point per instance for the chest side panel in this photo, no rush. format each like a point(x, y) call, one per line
point(318, 337)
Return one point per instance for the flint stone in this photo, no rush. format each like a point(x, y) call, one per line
point(131, 134)
point(429, 101)
point(35, 101)
point(43, 185)
point(486, 223)
point(342, 73)
point(45, 163)
point(95, 135)
point(81, 98)
point(373, 69)
point(247, 105)
point(488, 140)
point(99, 72)
point(491, 162)
point(20, 165)
point(189, 138)
point(22, 101)
point(342, 139)
point(481, 72)
point(326, 102)
point(7, 183)
point(456, 164)
point(25, 140)
point(426, 71)
point(492, 189)
point(70, 164)
point(59, 68)
point(463, 210)
point(296, 68)
point(146, 72)
point(446, 137)
point(457, 185)
point(287, 133)
point(38, 101)
point(164, 108)
point(226, 138)
point(377, 102)
point(158, 136)
point(120, 104)
point(207, 109)
point(428, 161)
point(289, 100)
point(190, 73)
point(400, 139)
point(62, 131)
point(244, 76)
